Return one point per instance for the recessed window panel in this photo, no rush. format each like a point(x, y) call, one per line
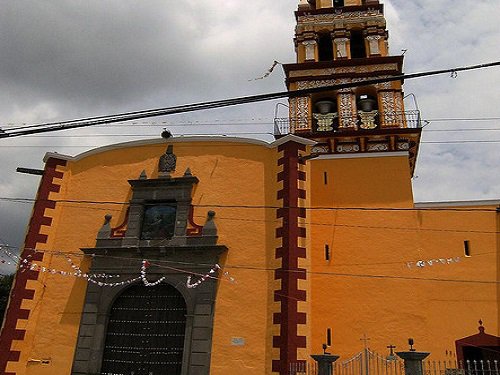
point(158, 222)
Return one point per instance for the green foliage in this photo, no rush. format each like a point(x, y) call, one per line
point(5, 285)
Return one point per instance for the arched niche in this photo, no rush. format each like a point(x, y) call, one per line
point(367, 108)
point(325, 46)
point(325, 112)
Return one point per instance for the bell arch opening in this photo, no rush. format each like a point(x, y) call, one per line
point(325, 47)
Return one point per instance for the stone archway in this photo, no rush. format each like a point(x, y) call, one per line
point(146, 332)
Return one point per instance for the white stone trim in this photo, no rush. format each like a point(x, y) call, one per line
point(486, 202)
point(363, 155)
point(145, 142)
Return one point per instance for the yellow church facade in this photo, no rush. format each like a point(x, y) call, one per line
point(217, 255)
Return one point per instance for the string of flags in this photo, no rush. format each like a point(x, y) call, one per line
point(146, 264)
point(268, 72)
point(102, 279)
point(432, 262)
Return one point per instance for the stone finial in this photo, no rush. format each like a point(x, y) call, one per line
point(143, 175)
point(167, 162)
point(188, 172)
point(413, 359)
point(105, 231)
point(209, 229)
point(481, 327)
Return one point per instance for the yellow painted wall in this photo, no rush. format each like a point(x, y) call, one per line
point(367, 286)
point(230, 174)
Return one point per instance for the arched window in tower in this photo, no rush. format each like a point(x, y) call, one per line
point(325, 115)
point(325, 47)
point(145, 333)
point(367, 111)
point(338, 3)
point(358, 48)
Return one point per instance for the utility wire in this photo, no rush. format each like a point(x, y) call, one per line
point(235, 121)
point(240, 122)
point(229, 134)
point(159, 262)
point(91, 121)
point(242, 206)
point(95, 135)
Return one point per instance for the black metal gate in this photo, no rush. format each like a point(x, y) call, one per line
point(145, 334)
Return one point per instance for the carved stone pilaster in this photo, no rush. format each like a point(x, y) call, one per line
point(299, 114)
point(310, 48)
point(347, 101)
point(392, 109)
point(373, 42)
point(341, 47)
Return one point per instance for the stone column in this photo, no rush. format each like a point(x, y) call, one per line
point(373, 42)
point(347, 111)
point(413, 361)
point(340, 48)
point(310, 46)
point(325, 363)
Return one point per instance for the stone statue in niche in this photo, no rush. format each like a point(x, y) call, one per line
point(167, 162)
point(159, 222)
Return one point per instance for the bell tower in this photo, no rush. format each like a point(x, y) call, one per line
point(346, 42)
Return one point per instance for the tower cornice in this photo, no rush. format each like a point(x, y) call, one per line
point(339, 11)
point(333, 64)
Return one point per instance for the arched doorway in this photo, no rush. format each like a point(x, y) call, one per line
point(145, 332)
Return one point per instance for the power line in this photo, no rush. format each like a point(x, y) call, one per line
point(250, 132)
point(235, 122)
point(243, 206)
point(464, 119)
point(160, 262)
point(91, 121)
point(229, 134)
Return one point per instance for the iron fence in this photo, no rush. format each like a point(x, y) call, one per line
point(391, 119)
point(371, 363)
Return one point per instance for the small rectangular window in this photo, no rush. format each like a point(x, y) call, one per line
point(327, 252)
point(329, 337)
point(467, 251)
point(325, 178)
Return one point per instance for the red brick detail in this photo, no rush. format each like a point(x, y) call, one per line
point(301, 318)
point(195, 229)
point(280, 194)
point(288, 318)
point(279, 232)
point(302, 194)
point(19, 290)
point(299, 252)
point(121, 229)
point(14, 356)
point(282, 212)
point(281, 176)
point(301, 232)
point(298, 274)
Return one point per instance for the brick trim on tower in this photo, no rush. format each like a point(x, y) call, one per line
point(19, 290)
point(289, 295)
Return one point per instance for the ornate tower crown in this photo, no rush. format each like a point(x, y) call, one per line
point(339, 42)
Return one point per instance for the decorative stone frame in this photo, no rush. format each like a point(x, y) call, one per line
point(123, 256)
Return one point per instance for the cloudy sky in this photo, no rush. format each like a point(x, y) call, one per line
point(61, 60)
